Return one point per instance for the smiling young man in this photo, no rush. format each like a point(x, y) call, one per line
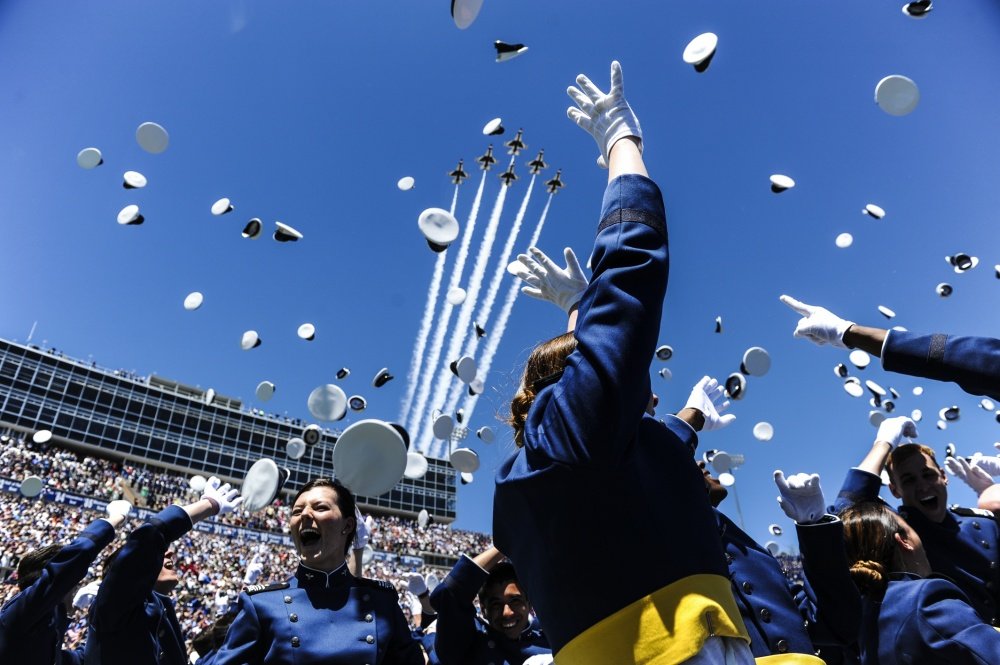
point(508, 636)
point(962, 544)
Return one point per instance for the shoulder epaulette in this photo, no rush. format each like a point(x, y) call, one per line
point(260, 588)
point(377, 584)
point(972, 512)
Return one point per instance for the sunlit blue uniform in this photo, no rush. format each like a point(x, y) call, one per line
point(130, 624)
point(33, 622)
point(320, 618)
point(462, 638)
point(963, 547)
point(926, 621)
point(971, 362)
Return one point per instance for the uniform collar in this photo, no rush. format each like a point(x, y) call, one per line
point(310, 577)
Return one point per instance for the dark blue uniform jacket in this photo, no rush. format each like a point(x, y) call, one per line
point(971, 362)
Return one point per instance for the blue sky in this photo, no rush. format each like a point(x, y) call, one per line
point(309, 113)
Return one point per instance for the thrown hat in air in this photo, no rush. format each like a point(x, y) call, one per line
point(209, 395)
point(466, 478)
point(31, 487)
point(859, 358)
point(763, 431)
point(897, 95)
point(311, 434)
point(221, 207)
point(439, 227)
point(665, 373)
point(486, 435)
point(261, 484)
point(718, 324)
point(423, 517)
point(252, 229)
point(197, 482)
point(844, 240)
point(736, 385)
point(307, 331)
point(284, 233)
point(250, 340)
point(465, 460)
point(442, 426)
point(507, 51)
point(327, 402)
point(756, 361)
point(343, 373)
point(962, 262)
point(780, 183)
point(493, 128)
point(774, 530)
point(875, 388)
point(89, 158)
point(918, 9)
point(455, 296)
point(382, 377)
point(874, 211)
point(295, 448)
point(370, 457)
point(264, 391)
point(665, 352)
point(852, 386)
point(133, 180)
point(42, 436)
point(727, 479)
point(357, 403)
point(464, 12)
point(772, 547)
point(416, 466)
point(986, 403)
point(129, 215)
point(152, 137)
point(476, 387)
point(950, 413)
point(193, 300)
point(405, 183)
point(875, 418)
point(944, 289)
point(916, 415)
point(840, 369)
point(465, 369)
point(886, 312)
point(700, 51)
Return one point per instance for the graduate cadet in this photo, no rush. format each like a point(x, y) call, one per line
point(33, 623)
point(780, 616)
point(589, 455)
point(323, 615)
point(132, 620)
point(971, 362)
point(961, 543)
point(508, 636)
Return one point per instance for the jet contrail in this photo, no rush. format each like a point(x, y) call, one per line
point(483, 315)
point(442, 325)
point(416, 360)
point(469, 406)
point(464, 319)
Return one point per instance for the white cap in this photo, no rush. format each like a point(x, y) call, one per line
point(772, 547)
point(465, 460)
point(197, 483)
point(89, 158)
point(736, 386)
point(844, 240)
point(986, 403)
point(261, 485)
point(42, 436)
point(875, 388)
point(775, 530)
point(152, 137)
point(311, 434)
point(944, 289)
point(916, 415)
point(327, 403)
point(486, 435)
point(962, 262)
point(859, 358)
point(209, 395)
point(252, 229)
point(129, 215)
point(465, 369)
point(756, 361)
point(780, 183)
point(370, 457)
point(467, 479)
point(875, 418)
point(493, 128)
point(918, 9)
point(439, 227)
point(307, 331)
point(32, 486)
point(405, 183)
point(665, 352)
point(250, 340)
point(285, 233)
point(886, 312)
point(950, 413)
point(507, 51)
point(295, 448)
point(193, 300)
point(133, 180)
point(416, 465)
point(442, 426)
point(918, 391)
point(382, 377)
point(343, 373)
point(665, 373)
point(727, 479)
point(464, 12)
point(264, 391)
point(455, 295)
point(897, 95)
point(873, 210)
point(357, 403)
point(852, 386)
point(476, 387)
point(700, 50)
point(221, 207)
point(763, 431)
point(423, 517)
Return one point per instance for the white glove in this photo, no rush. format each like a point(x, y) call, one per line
point(361, 534)
point(973, 476)
point(987, 463)
point(85, 596)
point(253, 573)
point(415, 583)
point(119, 507)
point(607, 117)
point(547, 281)
point(225, 497)
point(540, 659)
point(709, 398)
point(818, 324)
point(892, 430)
point(801, 496)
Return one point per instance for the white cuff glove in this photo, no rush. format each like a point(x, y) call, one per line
point(253, 573)
point(607, 117)
point(709, 398)
point(818, 324)
point(547, 281)
point(540, 659)
point(801, 496)
point(119, 507)
point(987, 463)
point(415, 583)
point(85, 595)
point(892, 430)
point(973, 476)
point(361, 533)
point(226, 497)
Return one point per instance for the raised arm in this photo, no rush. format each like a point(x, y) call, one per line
point(864, 482)
point(457, 625)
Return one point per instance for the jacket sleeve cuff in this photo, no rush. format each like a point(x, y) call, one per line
point(174, 522)
point(682, 430)
point(633, 198)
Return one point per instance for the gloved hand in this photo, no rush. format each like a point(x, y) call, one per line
point(253, 573)
point(709, 398)
point(607, 117)
point(85, 595)
point(973, 476)
point(119, 507)
point(988, 463)
point(540, 659)
point(361, 533)
point(801, 496)
point(892, 430)
point(415, 583)
point(225, 497)
point(818, 324)
point(547, 281)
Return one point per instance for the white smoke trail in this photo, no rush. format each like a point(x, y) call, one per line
point(464, 316)
point(469, 406)
point(442, 323)
point(417, 358)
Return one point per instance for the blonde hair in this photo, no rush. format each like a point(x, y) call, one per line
point(546, 361)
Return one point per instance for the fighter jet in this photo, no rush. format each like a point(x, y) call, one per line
point(515, 145)
point(459, 174)
point(537, 164)
point(555, 184)
point(487, 160)
point(480, 331)
point(508, 176)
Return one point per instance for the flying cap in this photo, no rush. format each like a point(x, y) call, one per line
point(89, 158)
point(456, 295)
point(327, 402)
point(442, 426)
point(780, 183)
point(357, 403)
point(31, 487)
point(133, 180)
point(465, 460)
point(221, 207)
point(416, 466)
point(727, 479)
point(476, 387)
point(718, 324)
point(721, 461)
point(941, 424)
point(700, 50)
point(42, 436)
point(950, 413)
point(508, 51)
point(775, 530)
point(772, 547)
point(986, 403)
point(840, 369)
point(916, 415)
point(873, 210)
point(897, 95)
point(311, 434)
point(875, 418)
point(307, 331)
point(859, 358)
point(950, 450)
point(261, 485)
point(209, 395)
point(152, 137)
point(918, 9)
point(197, 482)
point(875, 388)
point(382, 377)
point(285, 233)
point(944, 289)
point(486, 435)
point(889, 406)
point(763, 431)
point(250, 340)
point(493, 128)
point(844, 240)
point(460, 416)
point(370, 457)
point(756, 361)
point(193, 300)
point(264, 391)
point(343, 373)
point(439, 227)
point(295, 448)
point(886, 312)
point(464, 12)
point(962, 262)
point(423, 517)
point(129, 215)
point(665, 352)
point(665, 373)
point(465, 369)
point(252, 229)
point(918, 391)
point(736, 385)
point(893, 392)
point(852, 386)
point(405, 183)
point(466, 478)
